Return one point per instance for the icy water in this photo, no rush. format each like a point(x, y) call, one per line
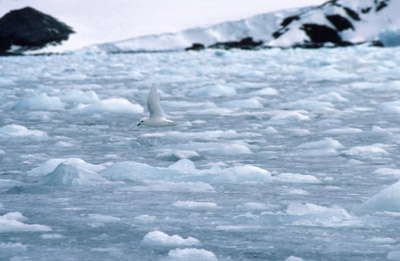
point(279, 155)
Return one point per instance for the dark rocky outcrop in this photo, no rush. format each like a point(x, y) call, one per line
point(341, 23)
point(29, 29)
point(195, 47)
point(321, 33)
point(246, 43)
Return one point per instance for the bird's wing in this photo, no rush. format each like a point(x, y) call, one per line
point(153, 103)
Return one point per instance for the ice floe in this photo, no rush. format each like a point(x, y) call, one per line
point(192, 254)
point(158, 238)
point(13, 222)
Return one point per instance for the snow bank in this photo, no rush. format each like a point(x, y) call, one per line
point(214, 91)
point(40, 102)
point(12, 222)
point(21, 132)
point(103, 218)
point(114, 105)
point(386, 200)
point(71, 174)
point(50, 166)
point(192, 254)
point(158, 238)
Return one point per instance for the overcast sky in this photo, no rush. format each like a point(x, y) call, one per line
point(112, 20)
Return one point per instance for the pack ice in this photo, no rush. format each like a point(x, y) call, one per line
point(279, 155)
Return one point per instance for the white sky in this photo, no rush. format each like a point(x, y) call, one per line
point(97, 21)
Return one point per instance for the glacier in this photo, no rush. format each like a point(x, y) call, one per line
point(280, 154)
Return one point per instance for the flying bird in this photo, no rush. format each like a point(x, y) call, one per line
point(156, 118)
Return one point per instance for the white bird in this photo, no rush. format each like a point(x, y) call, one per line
point(156, 118)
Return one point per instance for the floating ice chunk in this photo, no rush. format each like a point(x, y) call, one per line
point(174, 155)
point(309, 105)
point(183, 165)
point(240, 174)
point(192, 254)
point(40, 102)
point(394, 255)
point(50, 166)
point(103, 218)
point(313, 215)
point(296, 178)
point(332, 97)
point(386, 200)
point(259, 206)
point(114, 105)
point(12, 222)
point(11, 249)
point(175, 187)
point(265, 91)
point(322, 144)
point(388, 171)
point(19, 131)
point(345, 130)
point(232, 149)
point(51, 236)
point(244, 104)
point(383, 240)
point(289, 115)
point(6, 183)
point(271, 130)
point(294, 258)
point(204, 135)
point(323, 148)
point(158, 238)
point(145, 218)
point(194, 204)
point(214, 90)
point(6, 82)
point(379, 130)
point(369, 151)
point(327, 75)
point(72, 174)
point(78, 96)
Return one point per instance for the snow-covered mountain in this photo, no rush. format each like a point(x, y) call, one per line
point(335, 23)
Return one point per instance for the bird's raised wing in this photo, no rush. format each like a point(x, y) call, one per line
point(153, 103)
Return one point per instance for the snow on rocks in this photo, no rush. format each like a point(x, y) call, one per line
point(13, 222)
point(158, 238)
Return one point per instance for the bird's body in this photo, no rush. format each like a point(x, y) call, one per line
point(156, 118)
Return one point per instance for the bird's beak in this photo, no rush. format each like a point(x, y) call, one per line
point(138, 124)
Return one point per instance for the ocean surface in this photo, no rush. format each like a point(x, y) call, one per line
point(279, 155)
